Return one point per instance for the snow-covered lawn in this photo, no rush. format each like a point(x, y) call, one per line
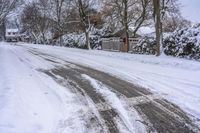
point(176, 79)
point(29, 102)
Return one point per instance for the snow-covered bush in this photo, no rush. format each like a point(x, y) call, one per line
point(94, 41)
point(39, 38)
point(146, 45)
point(74, 40)
point(78, 40)
point(183, 43)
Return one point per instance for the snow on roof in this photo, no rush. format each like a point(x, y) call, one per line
point(144, 30)
point(12, 30)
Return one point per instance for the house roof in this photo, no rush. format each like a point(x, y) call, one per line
point(12, 30)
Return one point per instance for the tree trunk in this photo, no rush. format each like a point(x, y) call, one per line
point(157, 25)
point(60, 39)
point(43, 38)
point(59, 32)
point(87, 41)
point(161, 38)
point(161, 25)
point(127, 40)
point(85, 21)
point(3, 30)
point(126, 24)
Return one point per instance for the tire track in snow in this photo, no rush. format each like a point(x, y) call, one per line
point(155, 112)
point(131, 124)
point(74, 79)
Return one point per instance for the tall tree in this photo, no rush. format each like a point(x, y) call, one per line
point(156, 14)
point(84, 14)
point(126, 27)
point(35, 21)
point(171, 16)
point(161, 10)
point(2, 30)
point(121, 14)
point(142, 15)
point(58, 9)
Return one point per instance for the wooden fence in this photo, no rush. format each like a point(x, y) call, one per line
point(117, 44)
point(112, 44)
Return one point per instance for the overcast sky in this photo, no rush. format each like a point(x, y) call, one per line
point(191, 9)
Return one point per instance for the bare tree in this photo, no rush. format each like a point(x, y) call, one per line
point(35, 21)
point(58, 8)
point(126, 27)
point(173, 22)
point(171, 16)
point(29, 20)
point(142, 15)
point(6, 7)
point(162, 9)
point(57, 17)
point(2, 30)
point(126, 13)
point(84, 7)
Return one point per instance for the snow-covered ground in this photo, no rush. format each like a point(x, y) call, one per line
point(176, 79)
point(30, 103)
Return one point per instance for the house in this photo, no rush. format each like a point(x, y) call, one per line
point(12, 35)
point(116, 41)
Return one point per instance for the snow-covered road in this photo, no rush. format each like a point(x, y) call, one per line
point(178, 80)
point(32, 101)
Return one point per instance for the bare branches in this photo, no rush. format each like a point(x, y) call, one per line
point(143, 15)
point(6, 6)
point(60, 17)
point(84, 13)
point(136, 12)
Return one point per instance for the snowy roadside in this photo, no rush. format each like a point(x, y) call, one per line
point(29, 102)
point(173, 78)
